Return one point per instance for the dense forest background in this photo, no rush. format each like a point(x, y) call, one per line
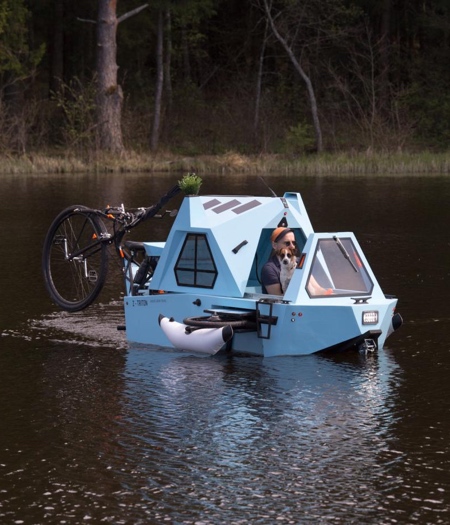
point(211, 76)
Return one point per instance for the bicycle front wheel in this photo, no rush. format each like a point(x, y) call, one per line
point(75, 258)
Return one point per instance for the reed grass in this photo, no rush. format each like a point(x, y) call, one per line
point(328, 164)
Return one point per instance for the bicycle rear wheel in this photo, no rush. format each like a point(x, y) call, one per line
point(74, 260)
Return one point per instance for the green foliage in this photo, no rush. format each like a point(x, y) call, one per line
point(3, 15)
point(379, 70)
point(298, 139)
point(190, 184)
point(16, 57)
point(429, 108)
point(77, 102)
point(433, 120)
point(193, 12)
point(190, 21)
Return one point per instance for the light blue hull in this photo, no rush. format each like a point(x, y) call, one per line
point(299, 329)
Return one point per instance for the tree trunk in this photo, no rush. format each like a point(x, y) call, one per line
point(57, 53)
point(159, 83)
point(168, 60)
point(185, 51)
point(385, 55)
point(259, 81)
point(109, 96)
point(305, 77)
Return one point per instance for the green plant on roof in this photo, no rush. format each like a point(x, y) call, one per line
point(190, 184)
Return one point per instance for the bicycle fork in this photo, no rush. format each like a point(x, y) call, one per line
point(90, 275)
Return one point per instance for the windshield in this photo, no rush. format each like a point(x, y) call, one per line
point(338, 270)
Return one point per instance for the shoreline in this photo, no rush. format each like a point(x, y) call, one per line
point(326, 164)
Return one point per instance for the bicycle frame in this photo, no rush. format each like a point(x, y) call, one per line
point(78, 236)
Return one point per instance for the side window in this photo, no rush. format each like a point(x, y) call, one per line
point(195, 265)
point(338, 270)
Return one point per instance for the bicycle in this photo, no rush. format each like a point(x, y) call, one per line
point(75, 252)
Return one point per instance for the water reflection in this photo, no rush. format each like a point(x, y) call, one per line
point(257, 437)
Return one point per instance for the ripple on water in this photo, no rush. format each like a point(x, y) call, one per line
point(124, 434)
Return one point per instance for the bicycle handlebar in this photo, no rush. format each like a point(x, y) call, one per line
point(153, 210)
point(133, 218)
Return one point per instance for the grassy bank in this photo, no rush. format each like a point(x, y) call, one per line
point(314, 165)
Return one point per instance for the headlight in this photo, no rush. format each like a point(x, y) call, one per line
point(370, 317)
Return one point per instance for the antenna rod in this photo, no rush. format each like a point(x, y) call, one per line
point(267, 186)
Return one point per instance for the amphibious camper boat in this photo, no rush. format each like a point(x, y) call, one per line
point(203, 292)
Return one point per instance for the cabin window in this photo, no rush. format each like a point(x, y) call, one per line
point(195, 265)
point(337, 270)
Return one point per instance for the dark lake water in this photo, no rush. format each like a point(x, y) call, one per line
point(94, 431)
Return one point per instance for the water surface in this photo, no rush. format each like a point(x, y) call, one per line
point(93, 430)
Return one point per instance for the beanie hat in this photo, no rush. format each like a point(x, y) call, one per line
point(279, 233)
